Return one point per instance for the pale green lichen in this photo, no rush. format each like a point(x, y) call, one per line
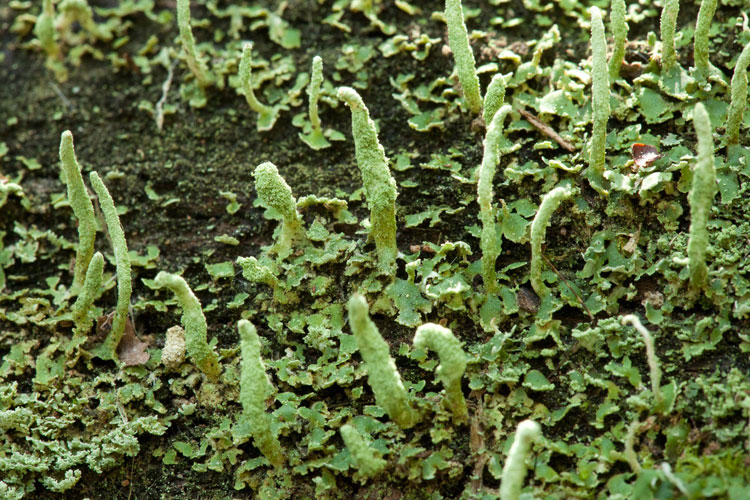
point(380, 186)
point(276, 193)
point(197, 66)
point(700, 41)
point(494, 97)
point(653, 361)
point(514, 470)
point(701, 198)
point(194, 322)
point(600, 100)
point(368, 463)
point(315, 139)
point(629, 443)
point(254, 387)
point(89, 292)
point(267, 115)
point(458, 39)
point(619, 29)
point(739, 97)
point(489, 239)
point(122, 266)
point(382, 374)
point(83, 209)
point(44, 29)
point(549, 204)
point(451, 367)
point(668, 24)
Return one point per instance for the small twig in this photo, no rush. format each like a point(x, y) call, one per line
point(591, 316)
point(547, 130)
point(62, 97)
point(159, 108)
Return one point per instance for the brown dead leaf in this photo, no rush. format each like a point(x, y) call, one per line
point(131, 350)
point(644, 154)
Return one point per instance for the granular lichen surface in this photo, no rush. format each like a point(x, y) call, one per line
point(622, 414)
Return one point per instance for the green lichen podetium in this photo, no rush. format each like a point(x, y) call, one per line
point(196, 65)
point(701, 197)
point(458, 38)
point(382, 374)
point(122, 265)
point(254, 387)
point(739, 97)
point(619, 30)
point(315, 139)
point(364, 457)
point(700, 40)
point(267, 115)
point(380, 186)
point(668, 24)
point(194, 322)
point(83, 209)
point(600, 101)
point(488, 238)
point(452, 364)
point(549, 204)
point(653, 361)
point(44, 30)
point(276, 193)
point(514, 470)
point(89, 292)
point(494, 97)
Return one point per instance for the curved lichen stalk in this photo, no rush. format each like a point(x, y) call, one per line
point(194, 322)
point(382, 374)
point(254, 387)
point(368, 463)
point(488, 238)
point(197, 67)
point(452, 364)
point(514, 470)
point(739, 97)
point(315, 139)
point(653, 361)
point(701, 197)
point(276, 193)
point(83, 209)
point(380, 186)
point(549, 204)
point(267, 115)
point(458, 39)
point(108, 349)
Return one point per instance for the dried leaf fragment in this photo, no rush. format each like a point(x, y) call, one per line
point(644, 155)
